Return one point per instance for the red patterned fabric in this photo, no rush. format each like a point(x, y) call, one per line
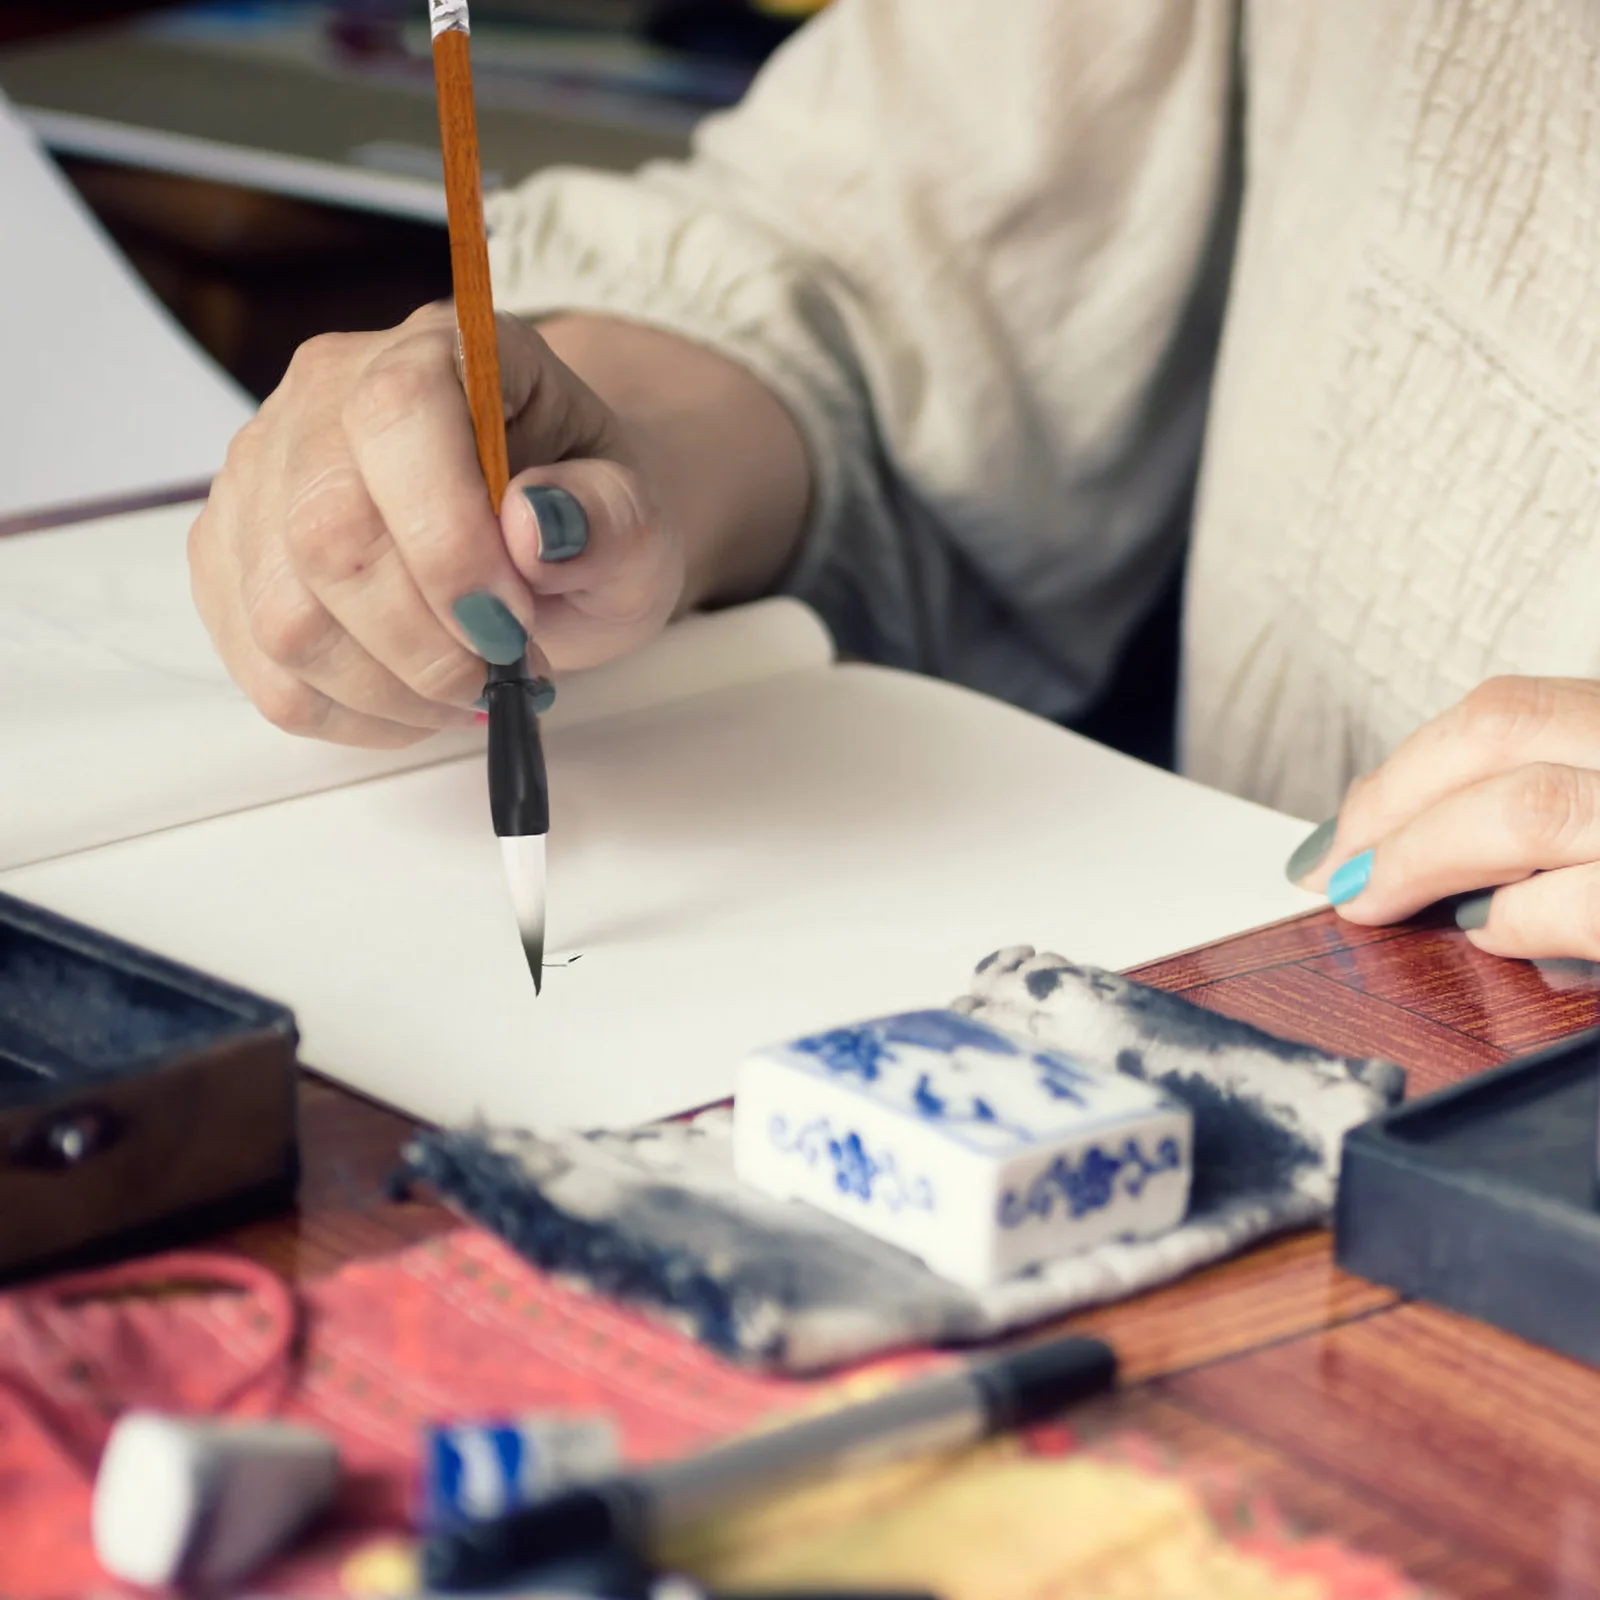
point(458, 1327)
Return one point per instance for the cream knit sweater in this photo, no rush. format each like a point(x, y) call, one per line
point(994, 257)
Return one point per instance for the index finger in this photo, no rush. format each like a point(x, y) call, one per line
point(409, 430)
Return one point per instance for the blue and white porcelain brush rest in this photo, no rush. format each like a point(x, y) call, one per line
point(978, 1151)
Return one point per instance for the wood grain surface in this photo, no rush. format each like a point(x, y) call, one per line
point(1468, 1457)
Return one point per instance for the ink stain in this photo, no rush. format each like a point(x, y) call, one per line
point(744, 1270)
point(1239, 1148)
point(1043, 984)
point(1168, 1019)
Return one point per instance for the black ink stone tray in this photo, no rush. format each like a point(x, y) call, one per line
point(141, 1102)
point(1482, 1198)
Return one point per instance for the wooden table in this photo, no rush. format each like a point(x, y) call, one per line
point(1470, 1459)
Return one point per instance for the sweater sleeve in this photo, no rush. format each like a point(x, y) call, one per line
point(960, 240)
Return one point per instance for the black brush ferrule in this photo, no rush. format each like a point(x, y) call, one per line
point(519, 790)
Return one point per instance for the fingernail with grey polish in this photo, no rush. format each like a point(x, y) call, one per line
point(1474, 912)
point(563, 523)
point(1310, 851)
point(490, 628)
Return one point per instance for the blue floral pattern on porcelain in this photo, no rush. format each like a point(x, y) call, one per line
point(848, 1052)
point(1090, 1181)
point(929, 1065)
point(870, 1175)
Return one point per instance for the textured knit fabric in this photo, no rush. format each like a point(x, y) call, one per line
point(983, 253)
point(656, 1216)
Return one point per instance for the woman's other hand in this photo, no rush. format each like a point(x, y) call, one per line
point(1497, 800)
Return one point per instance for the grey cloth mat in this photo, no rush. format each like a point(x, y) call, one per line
point(656, 1217)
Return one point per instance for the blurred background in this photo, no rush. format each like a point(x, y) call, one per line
point(272, 167)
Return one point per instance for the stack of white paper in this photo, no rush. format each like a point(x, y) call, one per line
point(101, 393)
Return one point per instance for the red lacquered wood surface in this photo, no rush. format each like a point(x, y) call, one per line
point(1469, 1458)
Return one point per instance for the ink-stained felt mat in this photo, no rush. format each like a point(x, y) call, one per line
point(656, 1217)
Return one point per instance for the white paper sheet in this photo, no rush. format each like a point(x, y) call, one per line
point(101, 392)
point(117, 719)
point(724, 871)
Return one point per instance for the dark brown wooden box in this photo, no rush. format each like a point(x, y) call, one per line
point(135, 1094)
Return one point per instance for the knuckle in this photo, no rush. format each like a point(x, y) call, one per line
point(625, 503)
point(1507, 710)
point(450, 678)
point(1548, 806)
point(405, 381)
point(430, 315)
point(291, 705)
point(317, 356)
point(289, 625)
point(1360, 797)
point(201, 535)
point(205, 576)
point(245, 450)
point(327, 524)
point(219, 511)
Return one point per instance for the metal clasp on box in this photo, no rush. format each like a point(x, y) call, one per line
point(67, 1138)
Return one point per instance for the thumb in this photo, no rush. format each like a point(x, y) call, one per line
point(551, 413)
point(605, 571)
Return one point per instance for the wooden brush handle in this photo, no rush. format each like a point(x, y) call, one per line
point(469, 251)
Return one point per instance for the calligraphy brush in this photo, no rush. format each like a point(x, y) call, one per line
point(519, 795)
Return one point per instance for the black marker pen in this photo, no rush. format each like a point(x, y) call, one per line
point(635, 1512)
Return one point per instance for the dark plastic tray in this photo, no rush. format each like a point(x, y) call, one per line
point(136, 1095)
point(1483, 1198)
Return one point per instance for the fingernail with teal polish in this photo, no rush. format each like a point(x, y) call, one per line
point(1309, 852)
point(1350, 879)
point(1474, 913)
point(563, 523)
point(482, 702)
point(490, 628)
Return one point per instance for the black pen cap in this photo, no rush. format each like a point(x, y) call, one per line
point(1040, 1381)
point(569, 1525)
point(519, 791)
